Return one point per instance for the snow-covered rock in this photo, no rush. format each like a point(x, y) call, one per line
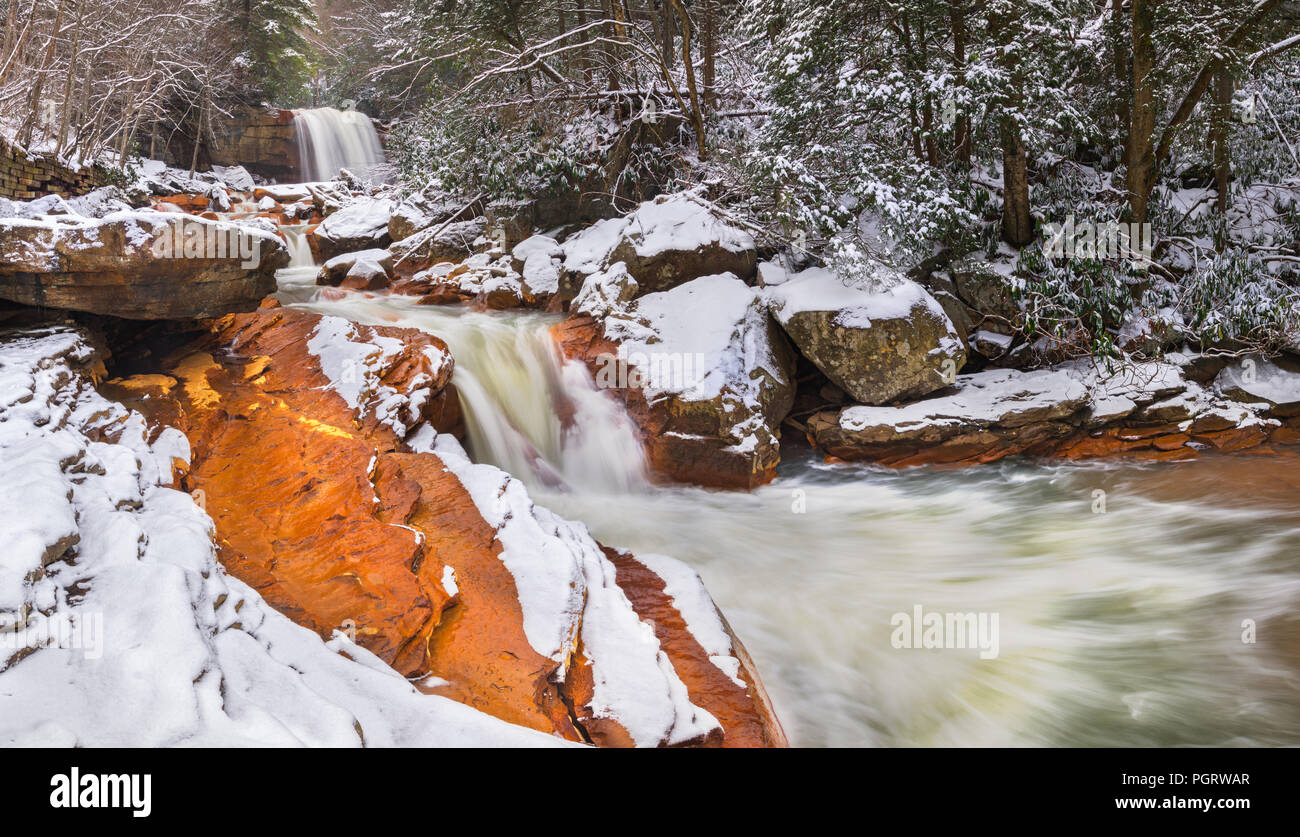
point(137, 264)
point(880, 342)
point(1074, 410)
point(449, 242)
point(664, 242)
point(375, 267)
point(705, 372)
point(361, 224)
point(235, 177)
point(1001, 397)
point(117, 625)
point(420, 211)
point(1256, 380)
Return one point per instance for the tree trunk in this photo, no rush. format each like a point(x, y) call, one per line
point(1017, 225)
point(668, 30)
point(1142, 119)
point(927, 125)
point(68, 79)
point(697, 113)
point(1220, 127)
point(709, 47)
point(198, 133)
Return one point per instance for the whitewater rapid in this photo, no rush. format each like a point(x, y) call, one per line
point(1118, 625)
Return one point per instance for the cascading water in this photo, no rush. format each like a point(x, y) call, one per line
point(295, 237)
point(527, 411)
point(1122, 628)
point(330, 139)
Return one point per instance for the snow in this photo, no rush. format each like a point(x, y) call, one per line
point(363, 218)
point(683, 586)
point(143, 229)
point(605, 291)
point(885, 296)
point(449, 580)
point(999, 396)
point(678, 222)
point(373, 254)
point(287, 192)
point(354, 360)
point(715, 318)
point(1260, 379)
point(542, 273)
point(235, 177)
point(772, 273)
point(178, 652)
point(669, 223)
point(567, 592)
point(537, 244)
point(1002, 341)
point(587, 251)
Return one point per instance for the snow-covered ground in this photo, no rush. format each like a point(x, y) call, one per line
point(117, 625)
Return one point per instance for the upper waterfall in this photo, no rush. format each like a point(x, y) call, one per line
point(330, 139)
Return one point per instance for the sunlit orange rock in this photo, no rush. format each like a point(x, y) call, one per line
point(323, 508)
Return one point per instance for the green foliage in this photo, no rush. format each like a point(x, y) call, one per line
point(276, 56)
point(1233, 299)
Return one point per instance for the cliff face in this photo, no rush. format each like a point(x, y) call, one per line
point(325, 454)
point(262, 140)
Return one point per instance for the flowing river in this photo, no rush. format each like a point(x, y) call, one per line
point(1123, 593)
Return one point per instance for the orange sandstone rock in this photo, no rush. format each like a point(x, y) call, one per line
point(321, 506)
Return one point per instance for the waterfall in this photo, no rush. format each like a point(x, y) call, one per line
point(528, 410)
point(330, 139)
point(295, 236)
point(301, 271)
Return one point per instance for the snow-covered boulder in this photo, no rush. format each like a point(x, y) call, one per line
point(988, 415)
point(705, 372)
point(283, 192)
point(886, 341)
point(235, 177)
point(420, 211)
point(984, 283)
point(539, 260)
point(606, 292)
point(1076, 410)
point(447, 242)
point(664, 242)
point(1149, 334)
point(138, 264)
point(1260, 381)
point(361, 224)
point(376, 266)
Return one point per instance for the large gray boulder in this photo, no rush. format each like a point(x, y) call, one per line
point(361, 224)
point(887, 340)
